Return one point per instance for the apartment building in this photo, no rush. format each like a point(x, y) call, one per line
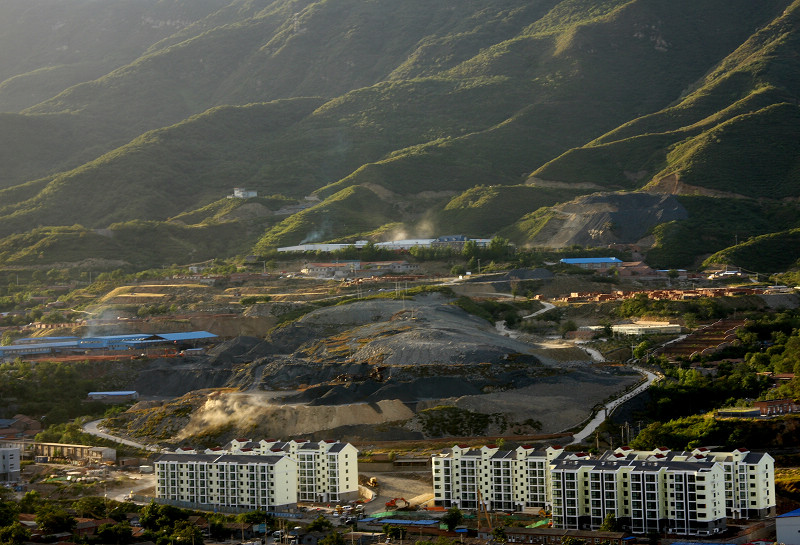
point(644, 495)
point(327, 471)
point(272, 475)
point(503, 480)
point(228, 480)
point(9, 464)
point(688, 493)
point(748, 477)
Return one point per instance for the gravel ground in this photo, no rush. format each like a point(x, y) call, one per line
point(397, 485)
point(376, 362)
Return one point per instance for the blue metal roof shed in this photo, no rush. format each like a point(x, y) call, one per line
point(579, 260)
point(188, 336)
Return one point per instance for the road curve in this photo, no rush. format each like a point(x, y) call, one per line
point(613, 404)
point(546, 306)
point(94, 429)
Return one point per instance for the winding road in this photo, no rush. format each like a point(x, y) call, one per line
point(613, 404)
point(93, 428)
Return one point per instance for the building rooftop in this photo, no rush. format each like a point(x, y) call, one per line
point(571, 260)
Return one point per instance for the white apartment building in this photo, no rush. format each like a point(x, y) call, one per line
point(646, 496)
point(327, 471)
point(688, 493)
point(228, 480)
point(749, 477)
point(9, 464)
point(503, 480)
point(268, 474)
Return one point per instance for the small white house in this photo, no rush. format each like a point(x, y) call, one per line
point(242, 193)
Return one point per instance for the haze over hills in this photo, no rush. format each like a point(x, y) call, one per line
point(128, 118)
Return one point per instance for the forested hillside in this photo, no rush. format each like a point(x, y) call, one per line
point(481, 117)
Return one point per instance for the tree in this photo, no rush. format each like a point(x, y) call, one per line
point(610, 524)
point(9, 513)
point(641, 349)
point(115, 533)
point(470, 249)
point(91, 507)
point(499, 534)
point(458, 270)
point(255, 517)
point(155, 517)
point(14, 534)
point(499, 247)
point(319, 524)
point(187, 533)
point(453, 518)
point(30, 502)
point(334, 538)
point(566, 327)
point(51, 520)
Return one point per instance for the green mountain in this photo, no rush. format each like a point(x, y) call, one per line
point(485, 117)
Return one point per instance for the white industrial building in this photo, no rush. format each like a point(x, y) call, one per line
point(270, 475)
point(688, 493)
point(9, 465)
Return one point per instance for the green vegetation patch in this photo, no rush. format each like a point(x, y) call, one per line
point(448, 420)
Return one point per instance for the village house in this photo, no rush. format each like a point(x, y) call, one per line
point(771, 407)
point(357, 269)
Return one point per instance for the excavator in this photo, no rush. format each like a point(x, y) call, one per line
point(397, 503)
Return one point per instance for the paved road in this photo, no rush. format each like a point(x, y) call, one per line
point(94, 429)
point(545, 307)
point(611, 405)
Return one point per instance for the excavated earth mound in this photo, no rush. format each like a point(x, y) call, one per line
point(361, 369)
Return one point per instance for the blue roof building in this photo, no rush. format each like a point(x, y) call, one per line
point(44, 345)
point(594, 263)
point(787, 527)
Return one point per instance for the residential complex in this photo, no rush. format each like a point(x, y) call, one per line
point(270, 475)
point(689, 493)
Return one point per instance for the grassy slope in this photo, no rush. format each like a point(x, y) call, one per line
point(550, 61)
point(766, 253)
point(735, 127)
point(498, 88)
point(493, 207)
point(715, 224)
point(141, 244)
point(46, 47)
point(175, 169)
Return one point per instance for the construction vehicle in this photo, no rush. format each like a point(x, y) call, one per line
point(397, 503)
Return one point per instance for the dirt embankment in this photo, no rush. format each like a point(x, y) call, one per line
point(608, 218)
point(366, 369)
